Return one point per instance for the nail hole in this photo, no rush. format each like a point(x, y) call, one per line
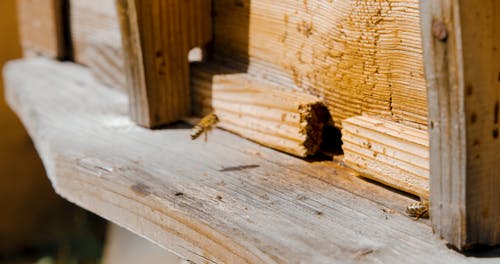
point(473, 118)
point(495, 111)
point(469, 89)
point(439, 30)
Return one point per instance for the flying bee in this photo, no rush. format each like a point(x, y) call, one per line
point(418, 209)
point(204, 126)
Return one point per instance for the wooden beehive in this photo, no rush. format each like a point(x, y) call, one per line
point(363, 61)
point(358, 59)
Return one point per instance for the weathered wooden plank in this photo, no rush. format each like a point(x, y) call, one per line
point(193, 197)
point(359, 56)
point(462, 64)
point(42, 27)
point(157, 37)
point(259, 110)
point(96, 40)
point(388, 152)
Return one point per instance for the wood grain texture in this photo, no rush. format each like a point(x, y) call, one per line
point(182, 194)
point(359, 56)
point(96, 39)
point(260, 110)
point(41, 27)
point(157, 37)
point(462, 65)
point(388, 152)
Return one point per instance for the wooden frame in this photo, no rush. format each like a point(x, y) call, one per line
point(462, 65)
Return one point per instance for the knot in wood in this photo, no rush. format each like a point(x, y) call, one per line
point(439, 30)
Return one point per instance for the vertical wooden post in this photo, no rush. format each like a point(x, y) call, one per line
point(461, 41)
point(157, 36)
point(43, 28)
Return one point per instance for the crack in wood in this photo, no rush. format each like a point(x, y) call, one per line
point(239, 168)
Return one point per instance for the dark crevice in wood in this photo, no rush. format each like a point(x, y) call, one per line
point(332, 141)
point(409, 195)
point(481, 251)
point(175, 125)
point(65, 27)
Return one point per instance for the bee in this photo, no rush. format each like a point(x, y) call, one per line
point(418, 209)
point(204, 126)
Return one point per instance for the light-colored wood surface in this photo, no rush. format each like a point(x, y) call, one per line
point(196, 198)
point(41, 27)
point(157, 37)
point(462, 63)
point(96, 40)
point(388, 152)
point(360, 56)
point(259, 110)
point(125, 247)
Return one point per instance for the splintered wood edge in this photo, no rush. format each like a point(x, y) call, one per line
point(244, 104)
point(226, 200)
point(313, 118)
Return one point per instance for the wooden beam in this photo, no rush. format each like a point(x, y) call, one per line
point(157, 37)
point(462, 65)
point(43, 28)
point(259, 110)
point(388, 152)
point(196, 198)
